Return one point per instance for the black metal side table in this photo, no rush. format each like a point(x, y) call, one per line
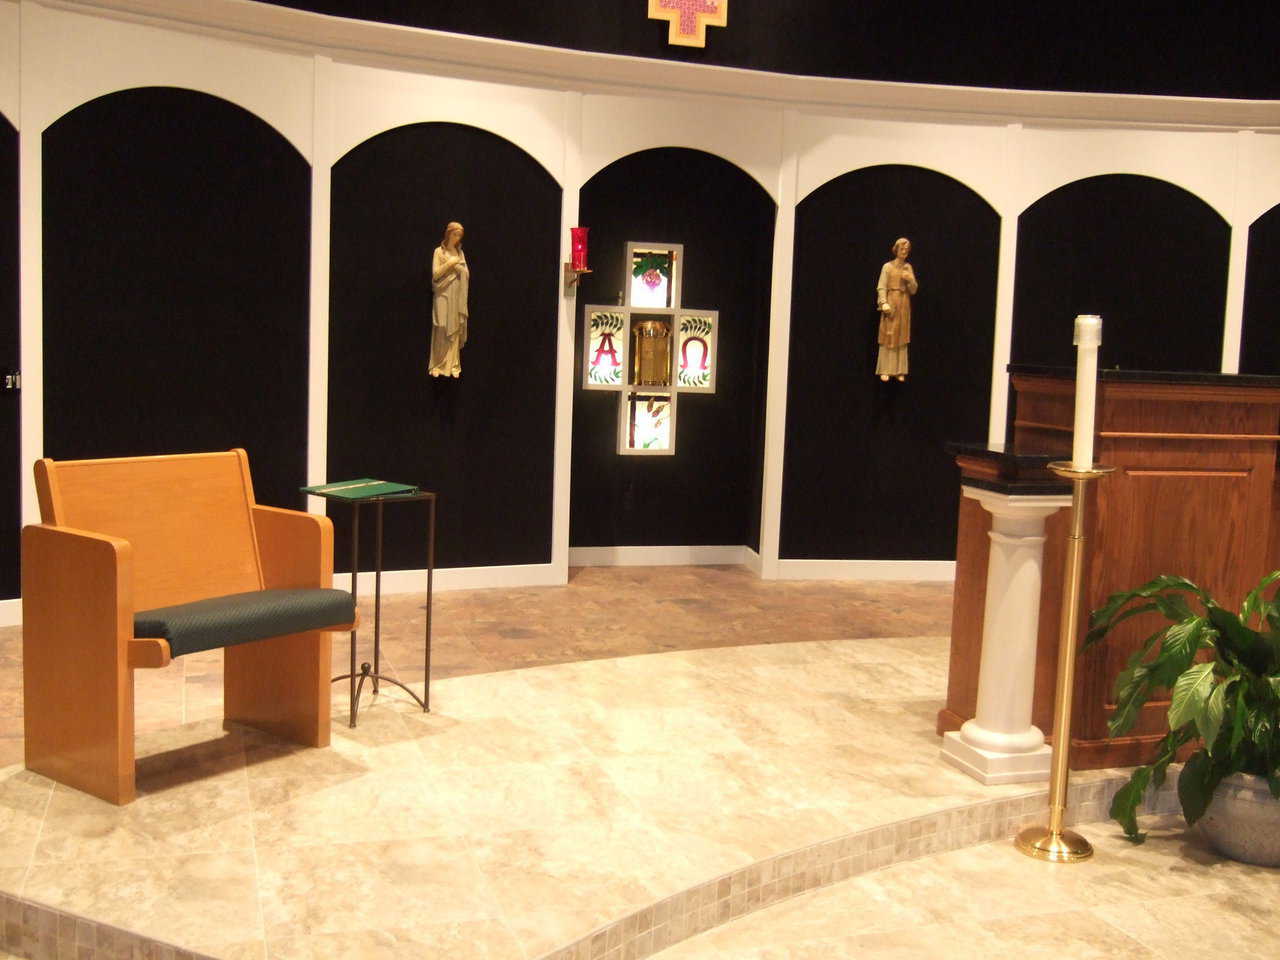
point(356, 678)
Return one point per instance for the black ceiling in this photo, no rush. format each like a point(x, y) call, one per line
point(1170, 48)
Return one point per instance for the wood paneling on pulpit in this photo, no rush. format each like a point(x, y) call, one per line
point(1195, 493)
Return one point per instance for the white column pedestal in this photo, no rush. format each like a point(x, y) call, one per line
point(1000, 744)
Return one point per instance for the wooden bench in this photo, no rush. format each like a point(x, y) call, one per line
point(176, 547)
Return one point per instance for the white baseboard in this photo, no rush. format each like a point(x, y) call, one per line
point(674, 556)
point(10, 612)
point(751, 560)
point(866, 569)
point(457, 578)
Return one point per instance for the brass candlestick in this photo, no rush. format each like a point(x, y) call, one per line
point(1054, 843)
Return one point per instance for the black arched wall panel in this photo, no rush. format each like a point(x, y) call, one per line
point(484, 442)
point(176, 239)
point(708, 491)
point(1260, 338)
point(866, 475)
point(10, 426)
point(1148, 256)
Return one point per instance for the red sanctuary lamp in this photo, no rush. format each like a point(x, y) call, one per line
point(579, 244)
point(574, 270)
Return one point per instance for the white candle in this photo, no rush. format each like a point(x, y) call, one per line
point(1088, 338)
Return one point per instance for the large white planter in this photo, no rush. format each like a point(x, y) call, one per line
point(1243, 821)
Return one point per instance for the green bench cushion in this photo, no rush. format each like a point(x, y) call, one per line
point(243, 617)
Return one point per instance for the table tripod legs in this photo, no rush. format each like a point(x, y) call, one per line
point(372, 673)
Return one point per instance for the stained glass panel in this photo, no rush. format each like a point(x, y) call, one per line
point(696, 359)
point(647, 426)
point(606, 349)
point(653, 279)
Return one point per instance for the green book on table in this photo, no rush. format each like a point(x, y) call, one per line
point(360, 489)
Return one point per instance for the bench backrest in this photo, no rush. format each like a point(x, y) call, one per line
point(188, 517)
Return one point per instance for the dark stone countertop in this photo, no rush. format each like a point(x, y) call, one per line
point(1020, 474)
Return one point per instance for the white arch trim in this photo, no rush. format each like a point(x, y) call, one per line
point(367, 101)
point(486, 58)
point(601, 165)
point(919, 166)
point(277, 87)
point(10, 60)
point(742, 134)
point(1217, 208)
point(413, 123)
point(208, 93)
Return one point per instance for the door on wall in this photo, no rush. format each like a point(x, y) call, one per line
point(10, 453)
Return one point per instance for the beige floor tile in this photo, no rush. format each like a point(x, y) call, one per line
point(1127, 901)
point(641, 753)
point(24, 798)
point(203, 902)
point(446, 741)
point(1203, 925)
point(519, 796)
point(476, 939)
point(334, 888)
point(12, 879)
point(386, 805)
point(1077, 935)
point(198, 810)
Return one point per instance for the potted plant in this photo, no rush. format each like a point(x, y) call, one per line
point(1224, 673)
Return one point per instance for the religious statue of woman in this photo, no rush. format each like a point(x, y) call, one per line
point(450, 279)
point(894, 290)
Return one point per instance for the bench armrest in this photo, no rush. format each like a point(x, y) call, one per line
point(295, 548)
point(77, 579)
point(77, 621)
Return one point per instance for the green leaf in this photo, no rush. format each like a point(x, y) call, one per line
point(1172, 742)
point(1262, 728)
point(1109, 614)
point(1124, 805)
point(1190, 694)
point(1209, 723)
point(1148, 589)
point(1178, 650)
point(1185, 638)
point(1241, 644)
point(1173, 606)
point(1272, 616)
point(1196, 784)
point(1097, 633)
point(1237, 718)
point(1133, 686)
point(1253, 602)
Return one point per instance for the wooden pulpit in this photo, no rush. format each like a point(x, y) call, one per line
point(1195, 493)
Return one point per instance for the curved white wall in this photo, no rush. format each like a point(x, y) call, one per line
point(10, 60)
point(746, 136)
point(69, 59)
point(329, 85)
point(367, 101)
point(829, 147)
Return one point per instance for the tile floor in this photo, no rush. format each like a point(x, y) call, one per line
point(1172, 898)
point(672, 726)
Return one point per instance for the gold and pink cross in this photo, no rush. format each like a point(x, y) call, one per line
point(689, 19)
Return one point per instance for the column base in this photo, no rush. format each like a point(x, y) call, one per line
point(990, 767)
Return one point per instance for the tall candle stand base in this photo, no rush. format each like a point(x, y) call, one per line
point(1054, 843)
